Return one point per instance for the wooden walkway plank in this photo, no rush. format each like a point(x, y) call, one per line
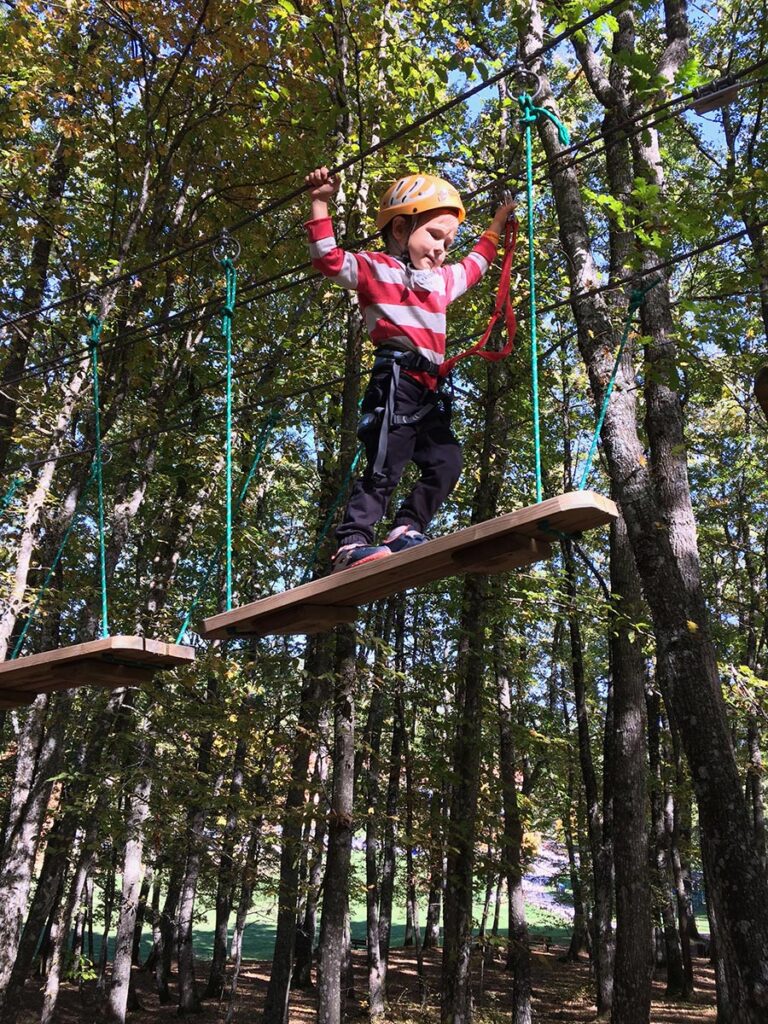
point(110, 662)
point(509, 541)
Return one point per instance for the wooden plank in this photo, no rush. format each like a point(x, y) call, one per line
point(14, 699)
point(110, 661)
point(498, 544)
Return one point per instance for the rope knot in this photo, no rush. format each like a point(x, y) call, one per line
point(96, 326)
point(228, 311)
point(530, 113)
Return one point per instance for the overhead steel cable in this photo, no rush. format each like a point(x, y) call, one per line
point(630, 279)
point(176, 320)
point(274, 204)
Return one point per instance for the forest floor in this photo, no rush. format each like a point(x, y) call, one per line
point(562, 992)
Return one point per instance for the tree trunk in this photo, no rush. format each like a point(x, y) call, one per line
point(518, 948)
point(599, 839)
point(332, 966)
point(457, 934)
point(432, 925)
point(654, 491)
point(120, 982)
point(38, 757)
point(278, 991)
point(225, 879)
point(660, 850)
point(633, 965)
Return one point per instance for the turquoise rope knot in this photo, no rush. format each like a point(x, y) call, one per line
point(227, 311)
point(96, 325)
point(530, 113)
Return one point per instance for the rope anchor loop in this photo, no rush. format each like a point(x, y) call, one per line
point(227, 249)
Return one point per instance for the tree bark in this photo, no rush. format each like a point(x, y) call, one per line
point(332, 968)
point(278, 991)
point(633, 964)
point(518, 948)
point(655, 500)
point(120, 982)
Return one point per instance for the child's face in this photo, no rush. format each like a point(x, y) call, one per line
point(430, 238)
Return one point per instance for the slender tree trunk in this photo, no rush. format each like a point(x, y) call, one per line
point(333, 946)
point(518, 949)
point(457, 941)
point(225, 879)
point(38, 757)
point(120, 982)
point(599, 841)
point(432, 926)
point(377, 967)
point(278, 991)
point(189, 998)
point(389, 851)
point(633, 965)
point(660, 850)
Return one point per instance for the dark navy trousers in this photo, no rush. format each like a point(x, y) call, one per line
point(429, 443)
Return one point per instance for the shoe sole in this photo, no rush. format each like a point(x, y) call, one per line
point(362, 561)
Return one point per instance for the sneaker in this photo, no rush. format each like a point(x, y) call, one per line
point(358, 554)
point(404, 537)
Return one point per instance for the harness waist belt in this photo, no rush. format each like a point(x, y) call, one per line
point(406, 359)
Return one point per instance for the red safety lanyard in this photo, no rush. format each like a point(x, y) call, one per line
point(503, 305)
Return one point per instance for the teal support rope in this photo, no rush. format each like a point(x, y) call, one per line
point(530, 114)
point(57, 558)
point(8, 496)
point(227, 314)
point(213, 560)
point(329, 518)
point(96, 326)
point(635, 302)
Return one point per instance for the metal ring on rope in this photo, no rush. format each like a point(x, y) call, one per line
point(227, 248)
point(522, 72)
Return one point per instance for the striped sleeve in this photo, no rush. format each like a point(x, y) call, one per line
point(327, 257)
point(466, 274)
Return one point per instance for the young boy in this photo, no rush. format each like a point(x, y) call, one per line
point(403, 294)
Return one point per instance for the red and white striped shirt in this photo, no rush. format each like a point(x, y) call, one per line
point(403, 308)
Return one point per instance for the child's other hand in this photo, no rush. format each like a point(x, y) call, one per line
point(502, 214)
point(322, 184)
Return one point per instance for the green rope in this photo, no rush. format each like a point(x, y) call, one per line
point(227, 314)
point(530, 114)
point(331, 514)
point(214, 559)
point(54, 563)
point(635, 302)
point(96, 326)
point(8, 496)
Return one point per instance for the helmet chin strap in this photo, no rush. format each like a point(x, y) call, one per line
point(405, 255)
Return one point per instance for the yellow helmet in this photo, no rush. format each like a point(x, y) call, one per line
point(416, 193)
